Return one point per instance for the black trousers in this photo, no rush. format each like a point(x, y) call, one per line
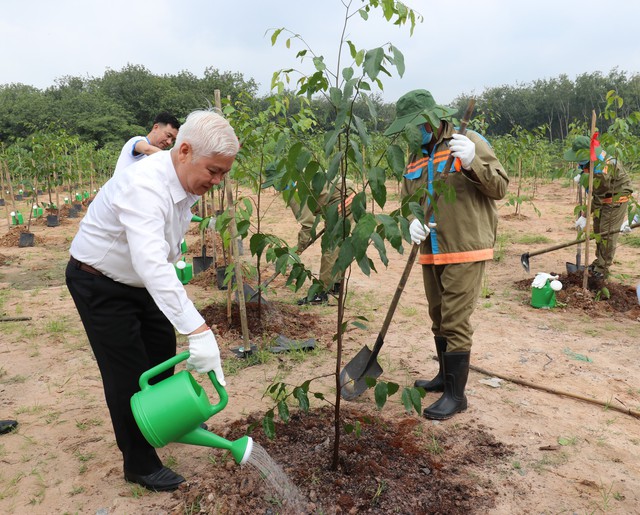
point(128, 334)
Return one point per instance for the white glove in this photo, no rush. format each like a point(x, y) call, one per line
point(581, 223)
point(204, 354)
point(464, 149)
point(625, 227)
point(577, 178)
point(418, 231)
point(541, 279)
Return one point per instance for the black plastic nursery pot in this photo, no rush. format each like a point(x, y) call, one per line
point(53, 220)
point(220, 273)
point(27, 239)
point(1, 202)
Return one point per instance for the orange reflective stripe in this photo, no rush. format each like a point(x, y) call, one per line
point(417, 164)
point(347, 202)
point(621, 200)
point(452, 258)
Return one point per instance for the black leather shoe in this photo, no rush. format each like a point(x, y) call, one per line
point(6, 426)
point(163, 480)
point(318, 298)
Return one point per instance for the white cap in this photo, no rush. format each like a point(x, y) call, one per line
point(180, 265)
point(555, 285)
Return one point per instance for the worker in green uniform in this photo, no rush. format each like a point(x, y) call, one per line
point(331, 194)
point(612, 191)
point(458, 239)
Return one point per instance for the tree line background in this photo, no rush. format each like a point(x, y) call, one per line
point(107, 110)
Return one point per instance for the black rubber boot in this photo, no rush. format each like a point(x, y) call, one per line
point(453, 400)
point(437, 383)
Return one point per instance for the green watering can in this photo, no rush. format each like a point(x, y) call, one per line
point(173, 409)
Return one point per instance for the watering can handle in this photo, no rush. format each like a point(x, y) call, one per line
point(172, 362)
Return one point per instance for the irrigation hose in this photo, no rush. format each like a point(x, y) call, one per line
point(607, 405)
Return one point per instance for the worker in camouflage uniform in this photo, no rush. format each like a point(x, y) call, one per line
point(307, 219)
point(457, 240)
point(611, 194)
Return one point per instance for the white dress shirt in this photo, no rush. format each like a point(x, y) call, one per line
point(127, 156)
point(132, 233)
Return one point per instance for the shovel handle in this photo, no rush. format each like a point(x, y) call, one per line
point(575, 242)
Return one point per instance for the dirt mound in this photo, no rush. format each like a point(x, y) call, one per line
point(267, 320)
point(386, 466)
point(12, 237)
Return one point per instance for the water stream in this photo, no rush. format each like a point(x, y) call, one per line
point(292, 500)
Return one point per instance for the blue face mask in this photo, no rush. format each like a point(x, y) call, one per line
point(426, 136)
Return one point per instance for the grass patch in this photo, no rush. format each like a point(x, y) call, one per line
point(632, 240)
point(530, 239)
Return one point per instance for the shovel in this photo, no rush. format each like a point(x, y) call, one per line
point(200, 264)
point(524, 258)
point(353, 376)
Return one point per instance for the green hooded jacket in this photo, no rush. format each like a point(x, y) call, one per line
point(466, 227)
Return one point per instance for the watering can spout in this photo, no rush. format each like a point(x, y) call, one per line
point(240, 449)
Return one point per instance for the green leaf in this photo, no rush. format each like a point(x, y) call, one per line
point(377, 180)
point(398, 60)
point(283, 411)
point(353, 52)
point(345, 256)
point(318, 62)
point(373, 62)
point(361, 234)
point(392, 388)
point(301, 396)
point(378, 243)
point(335, 95)
point(274, 36)
point(391, 231)
point(395, 159)
point(331, 138)
point(362, 130)
point(268, 426)
point(380, 394)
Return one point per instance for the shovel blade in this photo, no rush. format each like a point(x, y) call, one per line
point(200, 264)
point(572, 268)
point(353, 376)
point(524, 261)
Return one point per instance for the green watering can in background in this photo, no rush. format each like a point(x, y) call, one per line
point(173, 409)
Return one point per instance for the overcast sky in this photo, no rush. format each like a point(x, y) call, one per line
point(462, 46)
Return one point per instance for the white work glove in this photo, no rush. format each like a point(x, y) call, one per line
point(577, 178)
point(464, 149)
point(419, 231)
point(625, 228)
point(581, 223)
point(204, 354)
point(541, 279)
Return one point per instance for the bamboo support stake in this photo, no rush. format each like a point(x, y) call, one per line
point(587, 229)
point(235, 252)
point(13, 198)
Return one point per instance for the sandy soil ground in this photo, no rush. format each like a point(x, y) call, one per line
point(569, 456)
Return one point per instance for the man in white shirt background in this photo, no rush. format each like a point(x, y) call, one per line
point(122, 280)
point(161, 137)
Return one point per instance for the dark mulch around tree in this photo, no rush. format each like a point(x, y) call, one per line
point(388, 466)
point(266, 320)
point(600, 299)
